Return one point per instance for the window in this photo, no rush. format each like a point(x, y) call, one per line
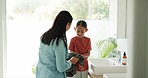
point(27, 20)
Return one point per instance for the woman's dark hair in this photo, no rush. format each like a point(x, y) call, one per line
point(82, 23)
point(58, 29)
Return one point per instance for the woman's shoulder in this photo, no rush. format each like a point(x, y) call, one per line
point(53, 42)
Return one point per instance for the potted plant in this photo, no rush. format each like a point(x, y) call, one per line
point(106, 46)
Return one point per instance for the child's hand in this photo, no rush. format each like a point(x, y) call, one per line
point(74, 60)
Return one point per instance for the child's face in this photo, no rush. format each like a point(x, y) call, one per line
point(80, 30)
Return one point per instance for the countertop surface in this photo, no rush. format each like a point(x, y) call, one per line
point(116, 75)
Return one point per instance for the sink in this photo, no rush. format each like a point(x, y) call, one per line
point(100, 66)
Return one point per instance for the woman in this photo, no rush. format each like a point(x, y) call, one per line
point(53, 49)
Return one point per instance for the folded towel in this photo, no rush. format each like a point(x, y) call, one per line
point(72, 71)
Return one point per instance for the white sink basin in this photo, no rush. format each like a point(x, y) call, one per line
point(100, 66)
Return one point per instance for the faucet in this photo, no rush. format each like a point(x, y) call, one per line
point(119, 57)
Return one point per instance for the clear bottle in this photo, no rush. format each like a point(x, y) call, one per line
point(124, 59)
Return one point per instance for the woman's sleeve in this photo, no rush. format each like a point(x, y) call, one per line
point(60, 53)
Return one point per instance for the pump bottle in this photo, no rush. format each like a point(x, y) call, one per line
point(124, 59)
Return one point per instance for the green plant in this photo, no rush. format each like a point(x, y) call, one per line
point(34, 68)
point(106, 46)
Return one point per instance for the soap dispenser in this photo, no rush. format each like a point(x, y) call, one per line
point(124, 59)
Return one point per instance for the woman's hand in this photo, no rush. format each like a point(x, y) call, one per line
point(74, 60)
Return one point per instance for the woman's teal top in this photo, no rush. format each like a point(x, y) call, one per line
point(52, 61)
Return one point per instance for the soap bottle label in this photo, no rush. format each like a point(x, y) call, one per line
point(124, 61)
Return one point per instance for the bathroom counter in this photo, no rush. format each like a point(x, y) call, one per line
point(115, 75)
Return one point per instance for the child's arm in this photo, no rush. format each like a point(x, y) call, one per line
point(87, 54)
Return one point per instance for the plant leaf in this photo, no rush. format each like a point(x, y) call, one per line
point(105, 46)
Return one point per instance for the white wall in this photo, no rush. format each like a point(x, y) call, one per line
point(1, 46)
point(130, 29)
point(137, 35)
point(121, 18)
point(1, 41)
point(2, 38)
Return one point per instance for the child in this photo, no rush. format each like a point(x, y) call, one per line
point(81, 45)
